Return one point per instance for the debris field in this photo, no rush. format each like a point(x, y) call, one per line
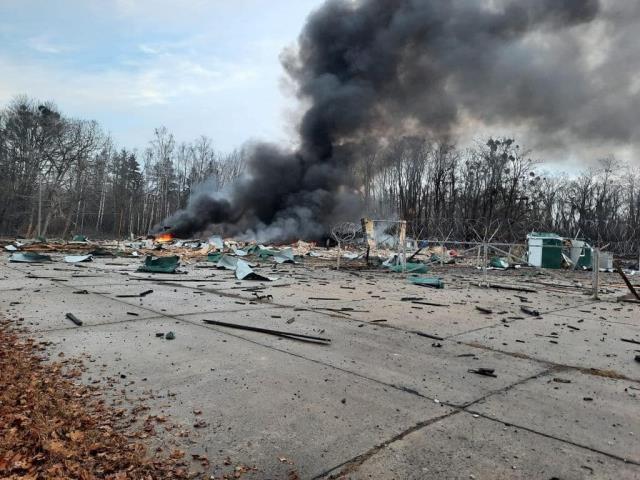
point(300, 370)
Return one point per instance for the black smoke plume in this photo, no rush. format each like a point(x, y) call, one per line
point(373, 69)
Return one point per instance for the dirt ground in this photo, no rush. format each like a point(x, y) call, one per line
point(399, 391)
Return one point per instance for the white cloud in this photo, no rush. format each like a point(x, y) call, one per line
point(44, 44)
point(157, 80)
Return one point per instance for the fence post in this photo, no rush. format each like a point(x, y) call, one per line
point(484, 266)
point(595, 268)
point(402, 244)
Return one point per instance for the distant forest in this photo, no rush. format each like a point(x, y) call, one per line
point(86, 184)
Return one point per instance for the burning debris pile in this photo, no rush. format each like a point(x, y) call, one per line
point(371, 71)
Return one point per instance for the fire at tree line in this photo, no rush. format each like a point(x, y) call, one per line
point(84, 183)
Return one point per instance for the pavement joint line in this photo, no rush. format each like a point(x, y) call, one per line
point(550, 312)
point(85, 326)
point(595, 320)
point(586, 370)
point(553, 437)
point(356, 462)
point(535, 376)
point(156, 312)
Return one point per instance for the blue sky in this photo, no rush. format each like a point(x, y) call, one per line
point(195, 66)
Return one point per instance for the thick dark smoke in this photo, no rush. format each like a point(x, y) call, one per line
point(377, 68)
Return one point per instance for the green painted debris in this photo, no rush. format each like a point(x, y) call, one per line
point(498, 262)
point(261, 251)
point(411, 268)
point(79, 238)
point(245, 272)
point(170, 336)
point(284, 256)
point(241, 268)
point(41, 239)
point(160, 264)
point(29, 257)
point(433, 282)
point(214, 257)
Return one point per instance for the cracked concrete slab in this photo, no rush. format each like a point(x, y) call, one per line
point(483, 450)
point(597, 412)
point(391, 356)
point(259, 403)
point(566, 341)
point(45, 309)
point(324, 407)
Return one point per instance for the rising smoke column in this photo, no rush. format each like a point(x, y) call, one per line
point(378, 68)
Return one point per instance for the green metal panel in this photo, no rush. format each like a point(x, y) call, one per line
point(160, 265)
point(551, 252)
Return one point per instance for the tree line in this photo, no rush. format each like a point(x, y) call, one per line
point(61, 176)
point(497, 190)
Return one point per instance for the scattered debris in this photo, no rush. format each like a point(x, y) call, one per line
point(420, 301)
point(74, 319)
point(514, 288)
point(427, 335)
point(630, 340)
point(409, 268)
point(561, 380)
point(135, 295)
point(487, 372)
point(170, 336)
point(487, 311)
point(245, 272)
point(160, 264)
point(29, 257)
point(262, 298)
point(499, 263)
point(78, 258)
point(433, 282)
point(629, 284)
point(291, 335)
point(530, 311)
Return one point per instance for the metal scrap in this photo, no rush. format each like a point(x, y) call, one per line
point(290, 335)
point(74, 319)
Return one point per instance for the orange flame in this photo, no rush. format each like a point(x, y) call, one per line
point(164, 238)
